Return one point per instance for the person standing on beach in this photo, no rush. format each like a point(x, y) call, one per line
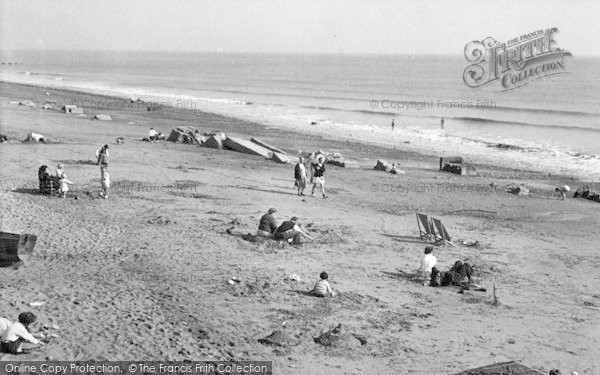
point(104, 177)
point(393, 123)
point(103, 157)
point(59, 171)
point(104, 182)
point(64, 183)
point(442, 123)
point(318, 178)
point(300, 176)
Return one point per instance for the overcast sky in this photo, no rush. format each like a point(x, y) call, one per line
point(349, 26)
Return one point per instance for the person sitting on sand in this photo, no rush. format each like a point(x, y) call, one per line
point(290, 231)
point(17, 333)
point(105, 182)
point(153, 135)
point(35, 138)
point(459, 274)
point(322, 287)
point(394, 170)
point(267, 224)
point(318, 178)
point(427, 263)
point(300, 176)
point(64, 185)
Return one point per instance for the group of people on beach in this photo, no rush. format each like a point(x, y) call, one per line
point(289, 231)
point(315, 175)
point(460, 274)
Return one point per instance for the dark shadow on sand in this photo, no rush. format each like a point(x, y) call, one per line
point(28, 191)
point(409, 239)
point(408, 276)
point(84, 162)
point(292, 192)
point(306, 293)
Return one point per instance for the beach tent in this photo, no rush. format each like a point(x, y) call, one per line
point(183, 134)
point(102, 117)
point(72, 109)
point(267, 146)
point(504, 368)
point(12, 244)
point(247, 147)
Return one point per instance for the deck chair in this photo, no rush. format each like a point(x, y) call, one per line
point(425, 227)
point(442, 233)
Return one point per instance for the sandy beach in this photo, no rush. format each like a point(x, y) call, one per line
point(144, 274)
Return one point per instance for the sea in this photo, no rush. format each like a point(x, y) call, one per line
point(550, 125)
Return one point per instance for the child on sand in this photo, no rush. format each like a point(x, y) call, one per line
point(322, 287)
point(59, 170)
point(105, 182)
point(17, 333)
point(427, 263)
point(64, 185)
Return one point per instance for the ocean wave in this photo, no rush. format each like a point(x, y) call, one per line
point(489, 121)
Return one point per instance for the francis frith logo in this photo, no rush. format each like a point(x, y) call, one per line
point(516, 62)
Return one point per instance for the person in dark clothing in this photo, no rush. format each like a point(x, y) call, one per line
point(267, 224)
point(318, 178)
point(290, 232)
point(103, 157)
point(460, 274)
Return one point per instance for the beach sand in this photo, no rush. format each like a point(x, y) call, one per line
point(144, 275)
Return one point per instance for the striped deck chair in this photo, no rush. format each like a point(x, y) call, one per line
point(442, 233)
point(425, 227)
point(12, 245)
